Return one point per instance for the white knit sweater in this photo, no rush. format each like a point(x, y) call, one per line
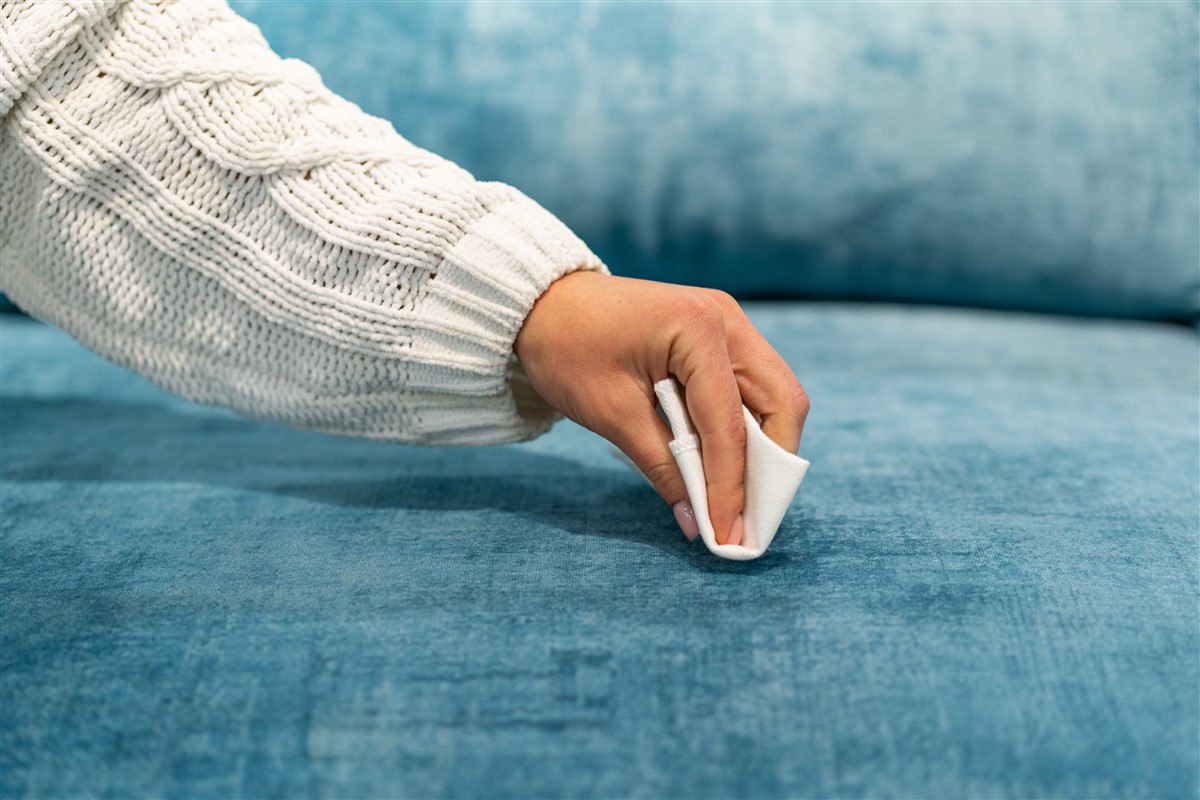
point(189, 205)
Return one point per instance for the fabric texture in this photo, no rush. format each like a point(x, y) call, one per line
point(771, 479)
point(987, 588)
point(1018, 155)
point(192, 206)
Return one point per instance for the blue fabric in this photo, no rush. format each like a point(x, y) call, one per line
point(986, 587)
point(1021, 155)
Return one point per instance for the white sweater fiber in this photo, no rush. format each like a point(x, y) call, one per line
point(188, 204)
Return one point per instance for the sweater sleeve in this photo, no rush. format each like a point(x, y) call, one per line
point(187, 204)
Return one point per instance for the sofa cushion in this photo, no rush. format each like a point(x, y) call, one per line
point(987, 586)
point(1019, 155)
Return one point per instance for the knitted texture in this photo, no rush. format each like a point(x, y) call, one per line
point(188, 204)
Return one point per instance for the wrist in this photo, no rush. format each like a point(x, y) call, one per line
point(545, 320)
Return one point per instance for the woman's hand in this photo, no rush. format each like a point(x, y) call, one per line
point(594, 345)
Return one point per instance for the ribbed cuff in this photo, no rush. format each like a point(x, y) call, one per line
point(487, 284)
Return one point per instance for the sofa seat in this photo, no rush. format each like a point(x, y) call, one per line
point(986, 586)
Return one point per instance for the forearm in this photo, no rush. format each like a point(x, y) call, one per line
point(238, 234)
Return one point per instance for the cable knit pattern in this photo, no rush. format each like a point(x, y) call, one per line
point(188, 204)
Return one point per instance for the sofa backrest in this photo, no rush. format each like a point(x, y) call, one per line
point(1027, 155)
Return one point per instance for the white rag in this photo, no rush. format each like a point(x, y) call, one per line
point(772, 476)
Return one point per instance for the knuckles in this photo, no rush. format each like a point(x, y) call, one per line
point(664, 478)
point(724, 300)
point(736, 433)
point(798, 401)
point(700, 312)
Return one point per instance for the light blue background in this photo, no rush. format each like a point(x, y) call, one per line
point(1021, 155)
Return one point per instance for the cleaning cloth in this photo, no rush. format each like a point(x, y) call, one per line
point(772, 476)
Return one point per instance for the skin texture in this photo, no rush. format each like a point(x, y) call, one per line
point(594, 345)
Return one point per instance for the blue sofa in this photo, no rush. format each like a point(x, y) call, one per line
point(970, 229)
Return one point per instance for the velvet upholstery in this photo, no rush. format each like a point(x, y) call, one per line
point(987, 586)
point(1018, 155)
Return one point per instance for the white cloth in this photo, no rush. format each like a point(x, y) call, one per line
point(185, 202)
point(772, 477)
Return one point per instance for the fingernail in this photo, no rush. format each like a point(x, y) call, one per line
point(686, 518)
point(735, 531)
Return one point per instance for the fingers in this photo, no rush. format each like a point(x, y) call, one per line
point(646, 441)
point(787, 426)
point(766, 383)
point(700, 359)
point(642, 435)
point(777, 398)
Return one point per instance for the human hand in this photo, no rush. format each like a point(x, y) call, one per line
point(594, 345)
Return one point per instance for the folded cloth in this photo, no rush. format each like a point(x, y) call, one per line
point(772, 476)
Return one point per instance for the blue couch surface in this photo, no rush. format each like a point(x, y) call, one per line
point(987, 586)
point(1011, 155)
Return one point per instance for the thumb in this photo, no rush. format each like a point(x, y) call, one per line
point(645, 439)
